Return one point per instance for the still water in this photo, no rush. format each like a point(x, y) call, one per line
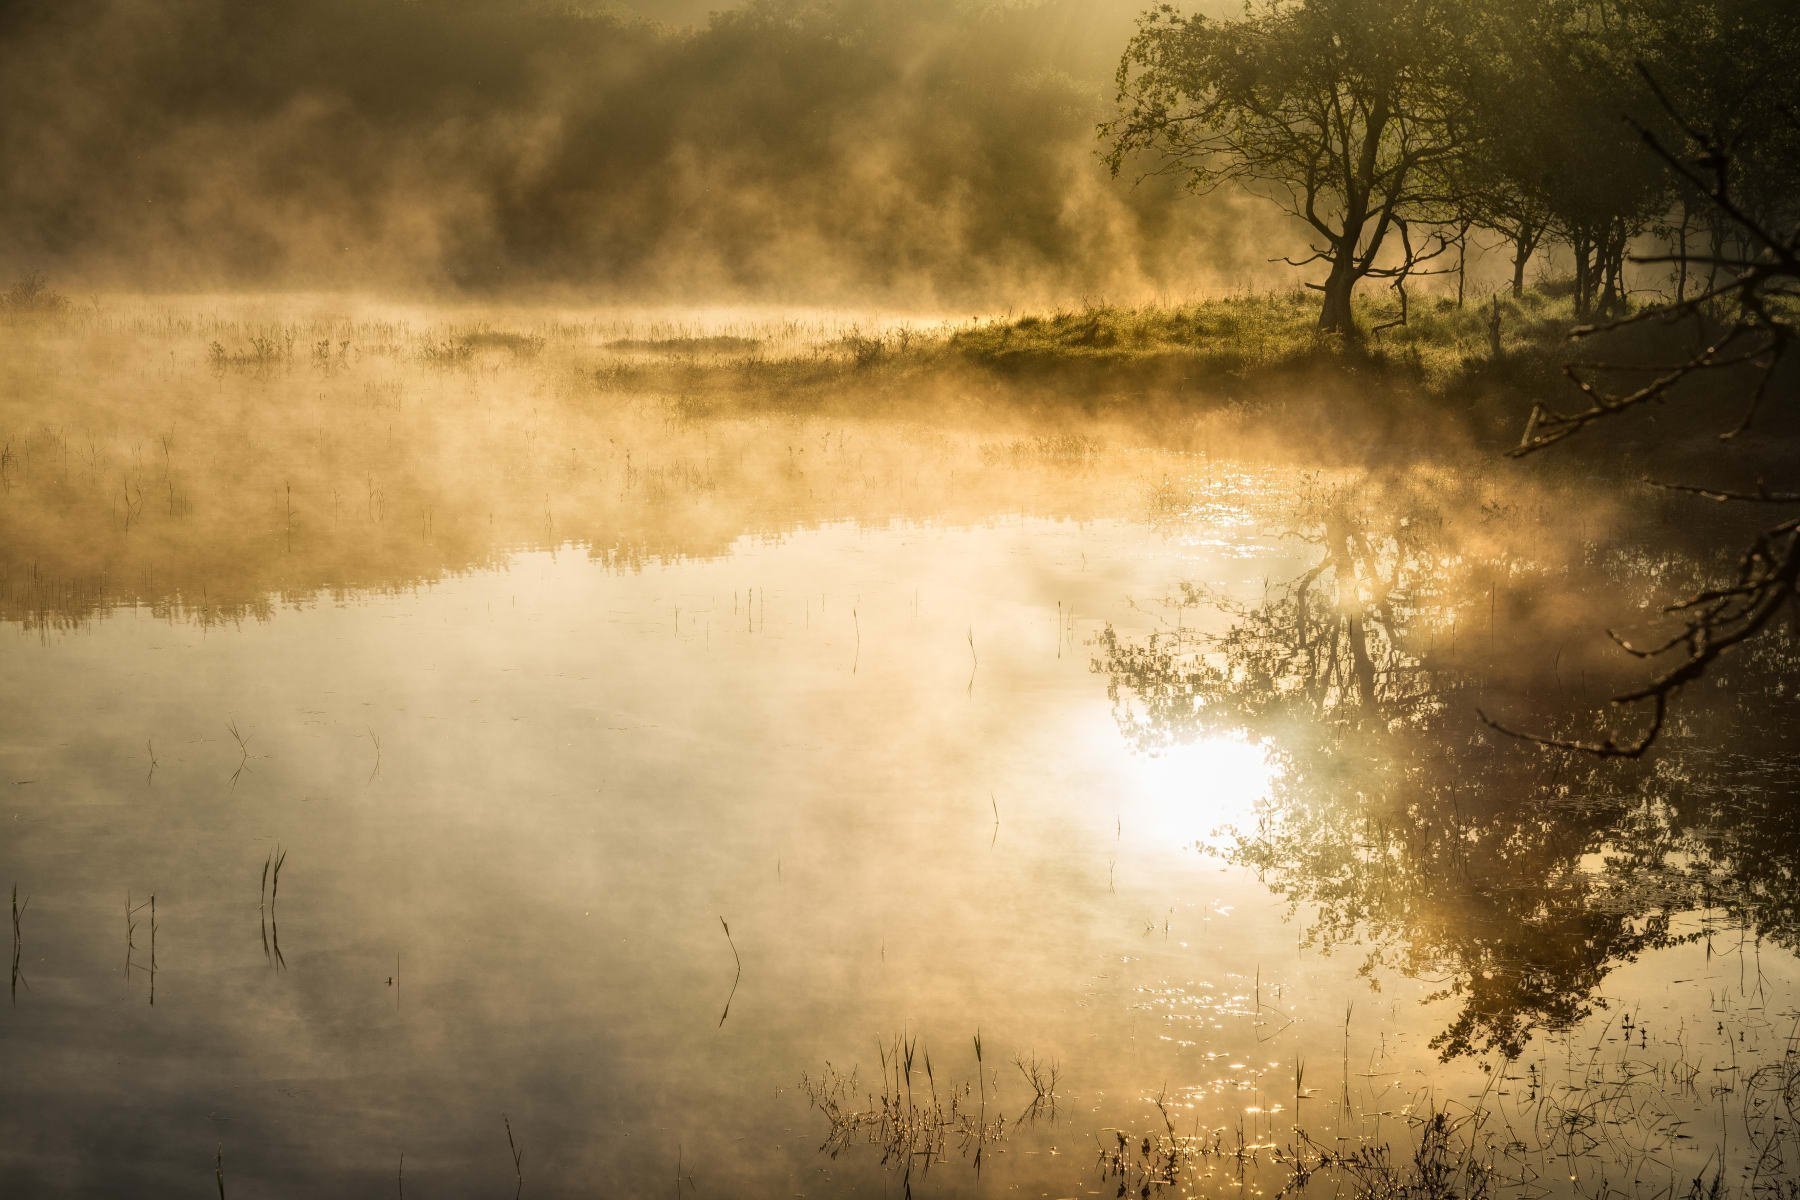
point(509, 778)
point(531, 819)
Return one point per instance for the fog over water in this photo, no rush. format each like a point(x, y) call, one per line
point(900, 598)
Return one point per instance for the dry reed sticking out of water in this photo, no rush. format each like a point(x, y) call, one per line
point(910, 1129)
point(735, 978)
point(1449, 1162)
point(18, 941)
point(518, 1157)
point(243, 745)
point(1043, 1079)
point(271, 887)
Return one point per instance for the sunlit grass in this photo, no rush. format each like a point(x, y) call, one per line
point(1238, 335)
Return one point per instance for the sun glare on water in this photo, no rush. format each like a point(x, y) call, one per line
point(1191, 793)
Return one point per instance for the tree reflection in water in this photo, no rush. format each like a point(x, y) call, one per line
point(1518, 877)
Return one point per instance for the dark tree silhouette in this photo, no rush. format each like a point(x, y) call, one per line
point(1742, 328)
point(1343, 112)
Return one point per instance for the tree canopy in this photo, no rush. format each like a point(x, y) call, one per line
point(1346, 113)
point(1389, 129)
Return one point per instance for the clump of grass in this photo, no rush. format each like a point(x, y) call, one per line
point(1061, 449)
point(1235, 337)
point(1043, 1079)
point(521, 345)
point(1443, 1166)
point(260, 350)
point(864, 351)
point(908, 1128)
point(447, 352)
point(715, 344)
point(31, 293)
point(1447, 1163)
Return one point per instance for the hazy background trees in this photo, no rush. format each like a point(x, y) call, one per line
point(1524, 120)
point(916, 151)
point(926, 152)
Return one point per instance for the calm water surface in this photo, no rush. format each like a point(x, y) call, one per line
point(531, 819)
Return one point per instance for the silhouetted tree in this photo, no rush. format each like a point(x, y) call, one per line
point(1551, 89)
point(1343, 112)
point(1739, 328)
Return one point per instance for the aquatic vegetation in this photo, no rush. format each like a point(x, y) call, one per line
point(714, 343)
point(737, 974)
point(636, 413)
point(658, 628)
point(18, 941)
point(518, 1157)
point(270, 889)
point(931, 1129)
point(31, 294)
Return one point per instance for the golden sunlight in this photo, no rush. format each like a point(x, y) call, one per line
point(1191, 793)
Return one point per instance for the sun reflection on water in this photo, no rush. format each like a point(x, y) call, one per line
point(1189, 794)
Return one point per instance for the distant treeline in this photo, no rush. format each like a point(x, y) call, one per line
point(1393, 130)
point(924, 151)
point(929, 149)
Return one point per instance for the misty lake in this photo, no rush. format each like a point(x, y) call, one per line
point(716, 802)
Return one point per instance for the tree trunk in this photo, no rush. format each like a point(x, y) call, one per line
point(1584, 277)
point(1610, 262)
point(1681, 252)
point(1715, 251)
point(1522, 248)
point(1462, 261)
point(1337, 315)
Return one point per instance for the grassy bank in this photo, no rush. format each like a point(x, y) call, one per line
point(1239, 337)
point(1100, 356)
point(1451, 374)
